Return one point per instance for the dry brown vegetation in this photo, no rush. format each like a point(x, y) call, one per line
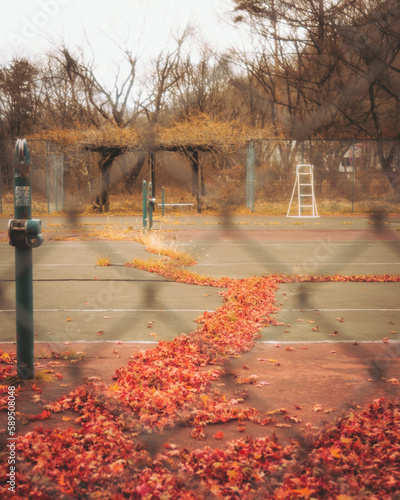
point(198, 131)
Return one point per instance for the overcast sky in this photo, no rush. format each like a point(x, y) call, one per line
point(30, 27)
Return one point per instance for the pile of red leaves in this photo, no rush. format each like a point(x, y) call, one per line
point(171, 385)
point(169, 382)
point(358, 457)
point(376, 278)
point(7, 372)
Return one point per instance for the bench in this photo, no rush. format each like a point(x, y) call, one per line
point(176, 205)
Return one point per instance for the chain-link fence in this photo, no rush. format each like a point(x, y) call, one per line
point(349, 176)
point(344, 171)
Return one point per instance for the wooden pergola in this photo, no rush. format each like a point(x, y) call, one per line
point(189, 137)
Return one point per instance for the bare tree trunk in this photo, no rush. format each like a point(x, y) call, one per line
point(104, 199)
point(108, 155)
point(386, 161)
point(131, 176)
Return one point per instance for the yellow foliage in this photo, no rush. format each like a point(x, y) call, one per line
point(195, 131)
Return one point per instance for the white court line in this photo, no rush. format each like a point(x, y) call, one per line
point(385, 309)
point(67, 342)
point(204, 310)
point(247, 263)
point(59, 265)
point(340, 310)
point(299, 264)
point(113, 310)
point(326, 342)
point(276, 342)
point(283, 243)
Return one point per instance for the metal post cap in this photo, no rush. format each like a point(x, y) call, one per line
point(21, 153)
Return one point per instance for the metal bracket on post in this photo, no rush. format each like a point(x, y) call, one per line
point(24, 234)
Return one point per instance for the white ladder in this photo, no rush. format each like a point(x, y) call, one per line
point(307, 206)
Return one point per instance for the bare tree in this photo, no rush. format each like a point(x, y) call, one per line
point(20, 97)
point(20, 107)
point(115, 105)
point(327, 67)
point(204, 86)
point(296, 59)
point(165, 76)
point(372, 57)
point(65, 101)
point(121, 103)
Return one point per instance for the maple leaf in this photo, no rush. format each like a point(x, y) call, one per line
point(294, 419)
point(273, 412)
point(346, 440)
point(204, 398)
point(335, 452)
point(170, 446)
point(41, 416)
point(304, 492)
point(268, 420)
point(118, 466)
point(233, 474)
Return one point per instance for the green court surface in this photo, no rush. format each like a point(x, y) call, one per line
point(76, 300)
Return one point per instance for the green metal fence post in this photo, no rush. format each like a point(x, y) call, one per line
point(25, 234)
point(250, 176)
point(47, 175)
point(1, 191)
point(353, 178)
point(144, 205)
point(151, 205)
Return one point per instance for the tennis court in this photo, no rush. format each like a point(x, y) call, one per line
point(76, 300)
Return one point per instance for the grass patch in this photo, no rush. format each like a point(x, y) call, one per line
point(66, 354)
point(154, 243)
point(44, 376)
point(103, 261)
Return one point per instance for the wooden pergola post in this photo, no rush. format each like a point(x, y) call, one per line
point(152, 164)
point(197, 168)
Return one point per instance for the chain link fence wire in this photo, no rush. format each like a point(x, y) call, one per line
point(350, 176)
